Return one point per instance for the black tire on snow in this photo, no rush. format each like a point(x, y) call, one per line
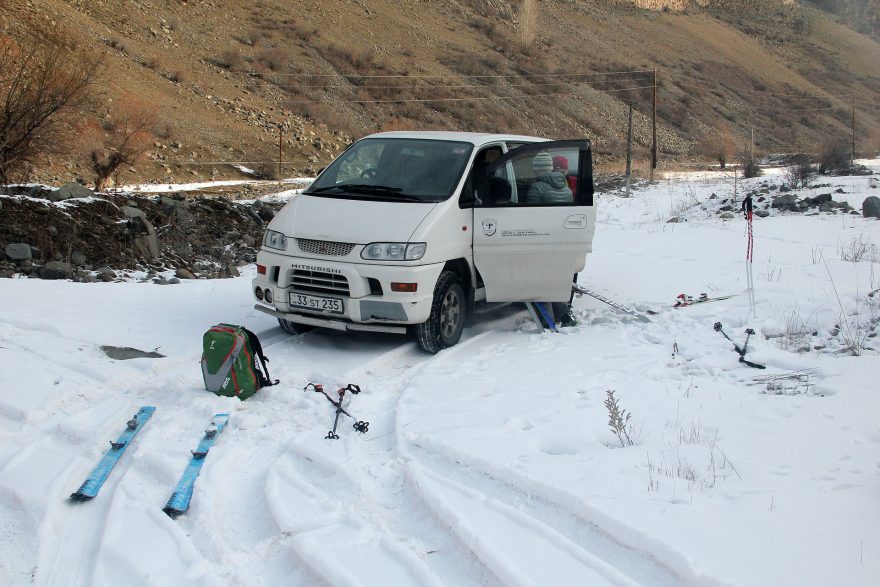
point(448, 313)
point(293, 328)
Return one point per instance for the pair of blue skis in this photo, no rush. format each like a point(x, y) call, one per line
point(179, 501)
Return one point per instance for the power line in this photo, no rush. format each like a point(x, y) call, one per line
point(435, 76)
point(701, 83)
point(461, 86)
point(462, 99)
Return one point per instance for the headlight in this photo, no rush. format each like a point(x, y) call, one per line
point(394, 251)
point(275, 240)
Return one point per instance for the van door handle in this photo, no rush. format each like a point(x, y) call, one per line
point(576, 221)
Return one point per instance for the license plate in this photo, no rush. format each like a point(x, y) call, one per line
point(317, 303)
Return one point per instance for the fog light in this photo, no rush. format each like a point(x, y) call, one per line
point(404, 287)
point(259, 293)
point(268, 295)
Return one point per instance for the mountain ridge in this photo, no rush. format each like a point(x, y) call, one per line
point(229, 77)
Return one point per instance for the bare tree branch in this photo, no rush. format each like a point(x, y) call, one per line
point(43, 87)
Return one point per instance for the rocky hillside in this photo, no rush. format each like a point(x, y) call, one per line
point(236, 80)
point(72, 233)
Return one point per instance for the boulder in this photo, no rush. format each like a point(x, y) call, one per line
point(70, 190)
point(762, 213)
point(132, 212)
point(820, 199)
point(145, 240)
point(727, 215)
point(55, 270)
point(20, 252)
point(184, 274)
point(784, 202)
point(106, 274)
point(870, 208)
point(78, 258)
point(40, 192)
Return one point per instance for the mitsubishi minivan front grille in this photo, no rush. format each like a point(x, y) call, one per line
point(331, 248)
point(319, 282)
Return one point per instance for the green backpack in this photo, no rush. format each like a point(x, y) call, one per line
point(230, 363)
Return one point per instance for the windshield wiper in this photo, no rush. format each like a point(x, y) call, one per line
point(369, 189)
point(364, 188)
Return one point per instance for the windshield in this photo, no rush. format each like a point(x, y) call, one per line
point(410, 170)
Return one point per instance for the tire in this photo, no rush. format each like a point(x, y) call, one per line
point(443, 327)
point(293, 328)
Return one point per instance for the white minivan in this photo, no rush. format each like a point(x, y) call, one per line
point(406, 231)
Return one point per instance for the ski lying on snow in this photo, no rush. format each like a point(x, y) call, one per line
point(581, 290)
point(96, 479)
point(684, 300)
point(178, 503)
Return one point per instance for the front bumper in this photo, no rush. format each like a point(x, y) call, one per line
point(363, 288)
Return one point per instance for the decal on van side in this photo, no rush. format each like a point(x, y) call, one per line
point(489, 226)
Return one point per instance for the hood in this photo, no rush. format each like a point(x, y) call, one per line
point(351, 221)
point(555, 179)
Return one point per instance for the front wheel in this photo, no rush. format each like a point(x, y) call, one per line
point(443, 327)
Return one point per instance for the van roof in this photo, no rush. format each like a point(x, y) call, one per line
point(474, 138)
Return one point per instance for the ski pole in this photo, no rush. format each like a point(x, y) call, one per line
point(740, 351)
point(359, 425)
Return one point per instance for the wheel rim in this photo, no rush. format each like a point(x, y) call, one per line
point(450, 313)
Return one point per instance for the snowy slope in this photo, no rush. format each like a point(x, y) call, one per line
point(491, 463)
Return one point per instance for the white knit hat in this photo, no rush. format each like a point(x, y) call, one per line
point(542, 164)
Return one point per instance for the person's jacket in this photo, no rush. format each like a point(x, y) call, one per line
point(551, 187)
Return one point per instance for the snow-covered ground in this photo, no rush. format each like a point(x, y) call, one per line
point(491, 463)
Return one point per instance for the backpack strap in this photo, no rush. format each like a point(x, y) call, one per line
point(265, 380)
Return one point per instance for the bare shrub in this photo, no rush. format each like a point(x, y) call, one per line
point(834, 157)
point(618, 419)
point(275, 59)
point(749, 164)
point(857, 249)
point(177, 76)
point(795, 337)
point(718, 145)
point(800, 172)
point(164, 129)
point(228, 59)
point(117, 43)
point(43, 87)
point(151, 61)
point(267, 166)
point(121, 140)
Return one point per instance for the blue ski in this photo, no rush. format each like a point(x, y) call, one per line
point(96, 479)
point(547, 315)
point(178, 503)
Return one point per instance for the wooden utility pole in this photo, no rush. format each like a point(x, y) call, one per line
point(752, 145)
point(852, 159)
point(654, 125)
point(280, 151)
point(629, 138)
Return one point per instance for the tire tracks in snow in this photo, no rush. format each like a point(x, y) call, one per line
point(355, 518)
point(537, 518)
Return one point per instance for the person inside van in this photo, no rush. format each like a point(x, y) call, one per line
point(560, 165)
point(550, 186)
